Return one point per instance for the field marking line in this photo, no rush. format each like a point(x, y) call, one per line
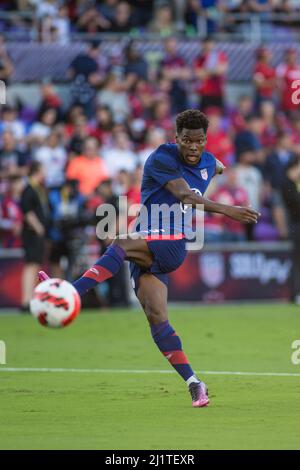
point(137, 371)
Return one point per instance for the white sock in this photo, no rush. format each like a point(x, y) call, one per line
point(192, 379)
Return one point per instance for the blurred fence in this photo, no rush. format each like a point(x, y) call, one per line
point(34, 62)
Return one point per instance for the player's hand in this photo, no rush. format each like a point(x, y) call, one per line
point(245, 215)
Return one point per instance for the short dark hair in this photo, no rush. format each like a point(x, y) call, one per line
point(191, 119)
point(34, 168)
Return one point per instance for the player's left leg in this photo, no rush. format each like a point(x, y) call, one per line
point(132, 249)
point(152, 294)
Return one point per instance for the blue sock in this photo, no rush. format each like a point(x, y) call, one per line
point(170, 345)
point(107, 266)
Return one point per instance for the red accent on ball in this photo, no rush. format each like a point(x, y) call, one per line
point(75, 312)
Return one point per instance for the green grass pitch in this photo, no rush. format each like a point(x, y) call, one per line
point(127, 410)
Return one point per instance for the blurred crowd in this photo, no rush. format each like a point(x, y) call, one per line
point(59, 163)
point(56, 20)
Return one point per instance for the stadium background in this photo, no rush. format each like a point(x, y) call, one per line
point(101, 82)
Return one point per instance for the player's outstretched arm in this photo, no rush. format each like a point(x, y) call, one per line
point(181, 190)
point(219, 167)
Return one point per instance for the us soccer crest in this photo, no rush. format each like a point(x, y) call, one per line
point(204, 174)
point(212, 269)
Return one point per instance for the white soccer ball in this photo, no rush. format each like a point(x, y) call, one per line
point(55, 303)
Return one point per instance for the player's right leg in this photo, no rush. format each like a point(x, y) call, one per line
point(152, 294)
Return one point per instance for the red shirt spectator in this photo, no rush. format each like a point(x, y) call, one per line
point(264, 75)
point(233, 194)
point(210, 68)
point(287, 74)
point(219, 142)
point(11, 216)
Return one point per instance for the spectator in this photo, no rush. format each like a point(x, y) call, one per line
point(85, 77)
point(12, 160)
point(46, 8)
point(92, 21)
point(143, 11)
point(270, 124)
point(287, 73)
point(11, 217)
point(107, 9)
point(122, 19)
point(162, 117)
point(114, 96)
point(73, 113)
point(174, 68)
point(11, 122)
point(89, 168)
point(291, 197)
point(295, 130)
point(80, 132)
point(53, 158)
point(163, 22)
point(6, 66)
point(277, 161)
point(135, 66)
point(264, 77)
point(155, 137)
point(62, 24)
point(41, 129)
point(239, 116)
point(142, 99)
point(272, 224)
point(219, 142)
point(34, 208)
point(67, 214)
point(249, 138)
point(251, 180)
point(49, 99)
point(210, 71)
point(120, 156)
point(219, 228)
point(103, 124)
point(204, 15)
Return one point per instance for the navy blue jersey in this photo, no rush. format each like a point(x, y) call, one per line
point(162, 166)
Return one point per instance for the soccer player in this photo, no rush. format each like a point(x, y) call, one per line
point(169, 174)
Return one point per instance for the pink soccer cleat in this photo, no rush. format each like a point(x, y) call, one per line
point(199, 394)
point(42, 276)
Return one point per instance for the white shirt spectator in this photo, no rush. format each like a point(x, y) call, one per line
point(251, 180)
point(155, 137)
point(120, 156)
point(39, 130)
point(16, 127)
point(54, 161)
point(46, 8)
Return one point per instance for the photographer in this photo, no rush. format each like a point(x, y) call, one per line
point(67, 215)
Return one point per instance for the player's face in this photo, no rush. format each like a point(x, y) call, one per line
point(191, 143)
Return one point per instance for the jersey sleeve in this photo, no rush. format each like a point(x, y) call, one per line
point(27, 200)
point(164, 168)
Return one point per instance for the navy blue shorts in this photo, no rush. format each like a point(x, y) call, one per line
point(168, 255)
